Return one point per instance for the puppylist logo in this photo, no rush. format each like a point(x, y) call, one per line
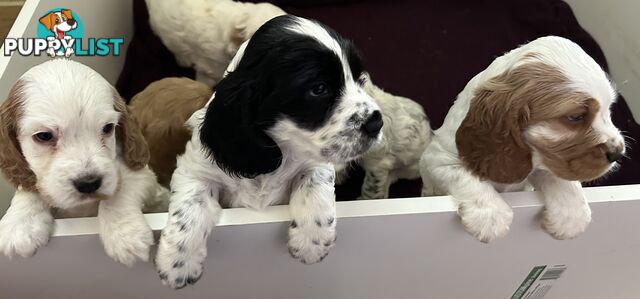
point(60, 33)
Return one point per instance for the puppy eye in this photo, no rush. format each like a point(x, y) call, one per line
point(319, 90)
point(43, 137)
point(107, 129)
point(577, 118)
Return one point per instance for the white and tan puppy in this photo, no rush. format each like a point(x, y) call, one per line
point(406, 134)
point(537, 115)
point(70, 148)
point(206, 34)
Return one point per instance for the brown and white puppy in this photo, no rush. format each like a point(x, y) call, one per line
point(162, 110)
point(537, 115)
point(73, 149)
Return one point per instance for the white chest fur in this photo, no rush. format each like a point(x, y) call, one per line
point(260, 192)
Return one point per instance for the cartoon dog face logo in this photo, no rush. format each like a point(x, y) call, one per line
point(59, 22)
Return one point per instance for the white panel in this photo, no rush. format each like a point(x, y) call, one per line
point(614, 24)
point(419, 251)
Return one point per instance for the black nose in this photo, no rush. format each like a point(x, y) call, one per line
point(71, 22)
point(614, 156)
point(88, 184)
point(373, 124)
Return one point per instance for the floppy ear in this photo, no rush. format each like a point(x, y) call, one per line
point(490, 139)
point(48, 20)
point(12, 162)
point(135, 151)
point(233, 130)
point(67, 13)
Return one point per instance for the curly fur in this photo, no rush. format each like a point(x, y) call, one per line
point(13, 165)
point(290, 106)
point(406, 134)
point(162, 110)
point(538, 116)
point(206, 34)
point(79, 110)
point(135, 151)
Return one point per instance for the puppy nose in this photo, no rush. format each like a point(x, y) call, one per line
point(614, 156)
point(373, 124)
point(71, 22)
point(88, 184)
point(614, 149)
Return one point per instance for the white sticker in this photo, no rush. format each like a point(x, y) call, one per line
point(538, 282)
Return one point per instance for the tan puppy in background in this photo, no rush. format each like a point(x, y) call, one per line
point(161, 110)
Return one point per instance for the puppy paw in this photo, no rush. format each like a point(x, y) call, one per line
point(128, 242)
point(310, 241)
point(488, 222)
point(177, 267)
point(23, 237)
point(566, 223)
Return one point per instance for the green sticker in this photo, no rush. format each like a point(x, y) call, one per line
point(528, 281)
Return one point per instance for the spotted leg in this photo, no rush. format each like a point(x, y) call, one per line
point(376, 184)
point(193, 212)
point(312, 231)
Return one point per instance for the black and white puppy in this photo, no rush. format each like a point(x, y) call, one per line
point(291, 105)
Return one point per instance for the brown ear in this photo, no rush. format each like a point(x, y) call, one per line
point(490, 139)
point(12, 163)
point(67, 13)
point(135, 151)
point(48, 20)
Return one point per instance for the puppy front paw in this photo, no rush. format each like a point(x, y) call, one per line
point(177, 267)
point(23, 237)
point(310, 241)
point(567, 222)
point(128, 242)
point(487, 222)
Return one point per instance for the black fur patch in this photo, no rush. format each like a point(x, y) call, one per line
point(278, 77)
point(178, 264)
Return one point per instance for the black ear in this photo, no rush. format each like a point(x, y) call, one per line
point(233, 130)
